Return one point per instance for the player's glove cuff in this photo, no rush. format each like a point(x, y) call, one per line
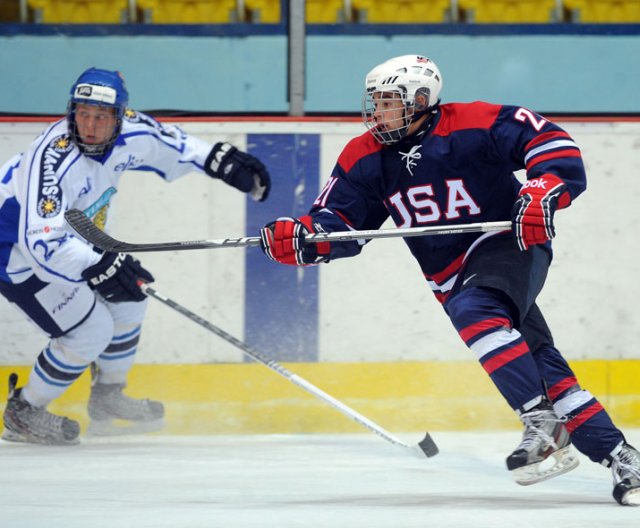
point(284, 241)
point(238, 169)
point(532, 213)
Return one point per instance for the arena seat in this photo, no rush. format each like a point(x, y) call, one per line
point(317, 11)
point(603, 11)
point(188, 11)
point(327, 12)
point(80, 11)
point(402, 11)
point(510, 11)
point(262, 11)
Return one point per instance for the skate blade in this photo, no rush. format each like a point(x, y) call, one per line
point(564, 461)
point(12, 436)
point(122, 427)
point(631, 497)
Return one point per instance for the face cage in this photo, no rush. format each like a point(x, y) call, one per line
point(386, 136)
point(91, 150)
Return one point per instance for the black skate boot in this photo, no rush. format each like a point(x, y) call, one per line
point(108, 406)
point(27, 423)
point(544, 436)
point(625, 466)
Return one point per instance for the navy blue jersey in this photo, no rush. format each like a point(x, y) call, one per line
point(458, 169)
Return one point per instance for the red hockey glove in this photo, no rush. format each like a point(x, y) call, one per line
point(283, 241)
point(533, 211)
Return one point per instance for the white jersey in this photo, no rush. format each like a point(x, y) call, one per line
point(38, 186)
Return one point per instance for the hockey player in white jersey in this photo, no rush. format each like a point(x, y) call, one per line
point(86, 301)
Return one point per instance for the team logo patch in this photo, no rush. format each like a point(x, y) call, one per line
point(48, 206)
point(411, 158)
point(62, 144)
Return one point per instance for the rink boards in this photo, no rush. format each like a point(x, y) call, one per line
point(411, 396)
point(366, 330)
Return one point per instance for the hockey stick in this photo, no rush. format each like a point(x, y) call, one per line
point(425, 447)
point(91, 233)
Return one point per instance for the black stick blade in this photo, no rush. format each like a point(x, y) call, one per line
point(83, 225)
point(428, 446)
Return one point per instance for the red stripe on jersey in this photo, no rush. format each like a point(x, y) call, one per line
point(441, 297)
point(445, 274)
point(463, 116)
point(562, 386)
point(357, 149)
point(543, 138)
point(473, 330)
point(343, 217)
point(565, 153)
point(589, 412)
point(507, 356)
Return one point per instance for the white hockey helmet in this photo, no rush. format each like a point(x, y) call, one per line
point(408, 76)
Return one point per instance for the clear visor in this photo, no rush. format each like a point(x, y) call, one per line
point(387, 115)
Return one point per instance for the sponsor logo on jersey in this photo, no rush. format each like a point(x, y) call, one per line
point(45, 229)
point(131, 163)
point(50, 194)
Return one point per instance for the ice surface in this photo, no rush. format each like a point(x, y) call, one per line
point(286, 481)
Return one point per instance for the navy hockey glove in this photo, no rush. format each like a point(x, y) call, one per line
point(283, 241)
point(533, 211)
point(115, 277)
point(238, 169)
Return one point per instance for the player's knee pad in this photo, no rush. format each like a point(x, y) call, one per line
point(127, 314)
point(472, 305)
point(89, 339)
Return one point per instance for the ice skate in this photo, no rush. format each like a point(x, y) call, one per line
point(27, 423)
point(625, 467)
point(544, 436)
point(114, 413)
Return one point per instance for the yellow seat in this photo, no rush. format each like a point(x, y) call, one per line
point(80, 11)
point(326, 12)
point(604, 11)
point(510, 11)
point(262, 11)
point(316, 11)
point(402, 11)
point(188, 11)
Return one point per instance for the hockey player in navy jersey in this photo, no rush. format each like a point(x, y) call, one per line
point(425, 163)
point(88, 302)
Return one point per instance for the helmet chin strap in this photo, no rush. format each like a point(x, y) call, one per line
point(428, 110)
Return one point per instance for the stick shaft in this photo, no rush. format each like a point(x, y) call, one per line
point(85, 228)
point(276, 367)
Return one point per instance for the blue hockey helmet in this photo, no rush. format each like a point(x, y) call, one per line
point(103, 88)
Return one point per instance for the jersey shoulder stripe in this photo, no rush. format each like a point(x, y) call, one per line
point(356, 149)
point(464, 116)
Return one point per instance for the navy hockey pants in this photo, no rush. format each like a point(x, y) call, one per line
point(493, 309)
